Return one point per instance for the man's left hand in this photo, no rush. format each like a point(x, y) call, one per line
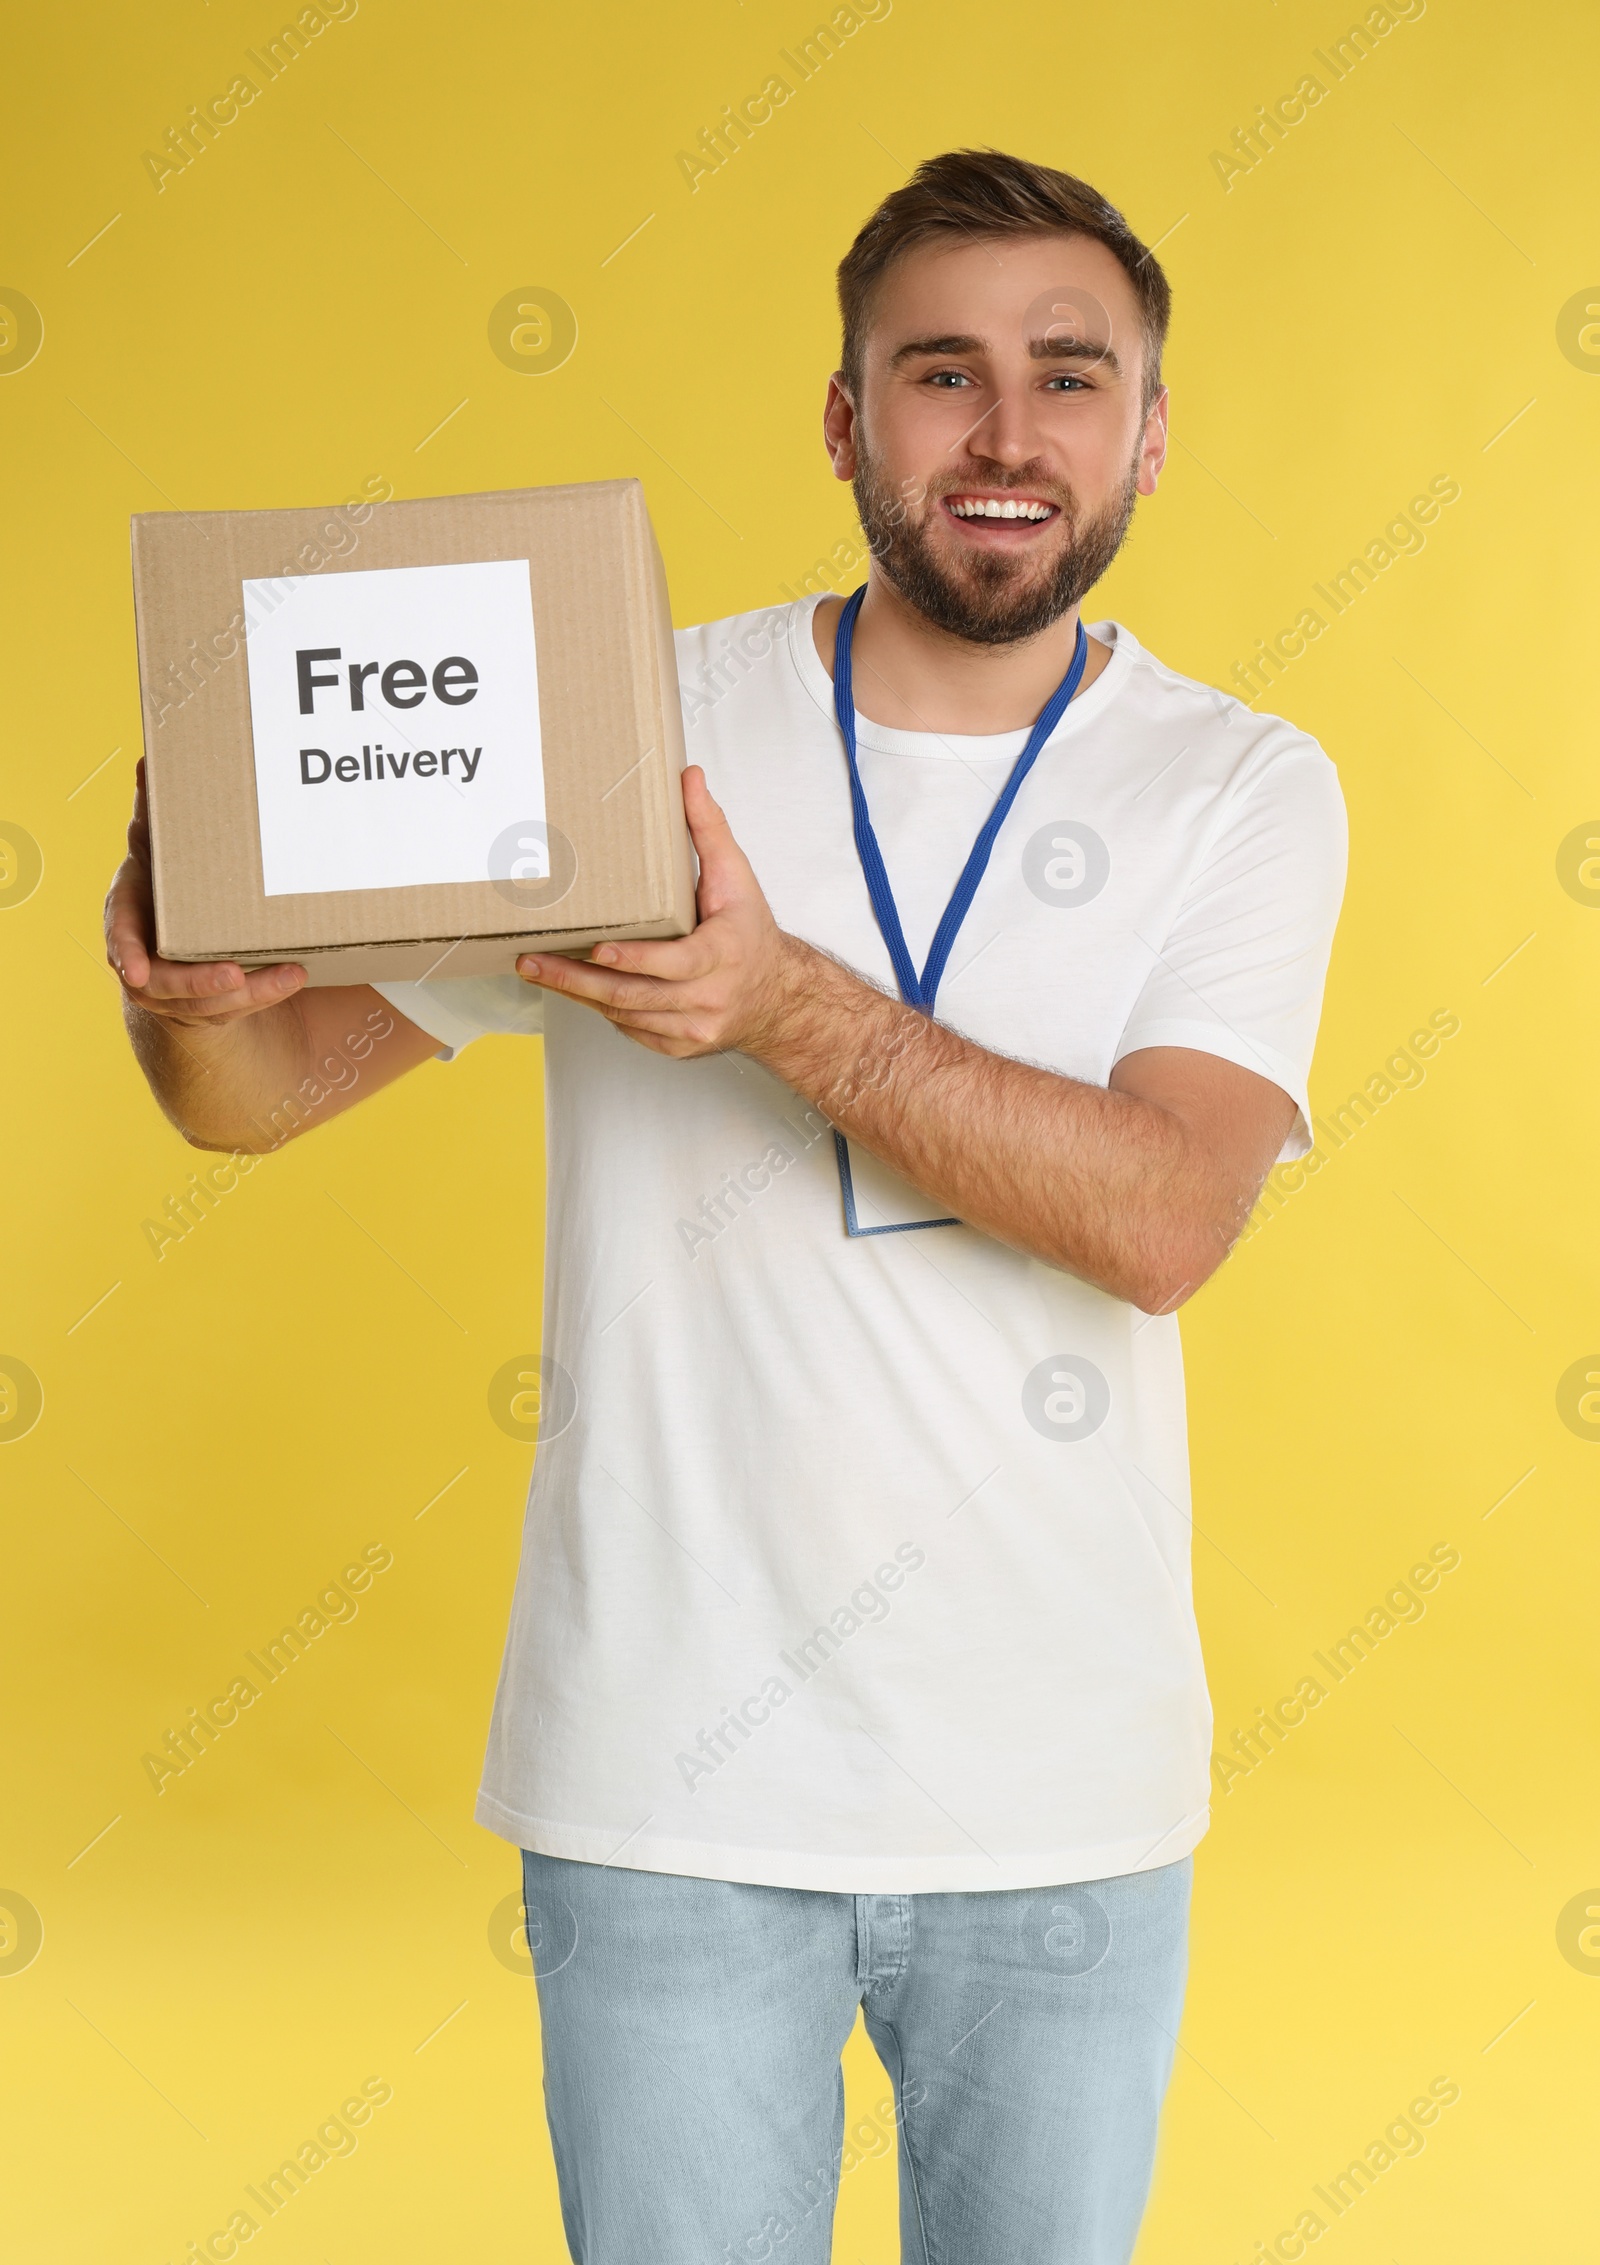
point(722, 989)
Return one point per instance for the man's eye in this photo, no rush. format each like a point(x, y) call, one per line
point(948, 377)
point(1066, 378)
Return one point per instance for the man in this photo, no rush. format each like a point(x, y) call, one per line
point(853, 1660)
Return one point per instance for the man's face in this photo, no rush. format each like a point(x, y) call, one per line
point(1004, 372)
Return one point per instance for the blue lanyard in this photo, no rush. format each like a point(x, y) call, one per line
point(921, 991)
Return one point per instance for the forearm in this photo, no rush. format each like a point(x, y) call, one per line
point(1104, 1184)
point(213, 1078)
point(258, 1080)
point(1139, 1187)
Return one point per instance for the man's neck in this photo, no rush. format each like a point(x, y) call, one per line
point(910, 676)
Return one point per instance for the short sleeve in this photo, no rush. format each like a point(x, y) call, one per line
point(458, 1008)
point(1240, 972)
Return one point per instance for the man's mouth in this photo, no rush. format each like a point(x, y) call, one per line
point(1009, 511)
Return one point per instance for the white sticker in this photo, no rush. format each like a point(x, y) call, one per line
point(395, 714)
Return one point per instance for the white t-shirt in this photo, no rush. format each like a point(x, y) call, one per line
point(862, 1564)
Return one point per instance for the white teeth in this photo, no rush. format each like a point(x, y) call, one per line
point(992, 508)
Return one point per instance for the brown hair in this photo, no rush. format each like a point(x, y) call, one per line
point(985, 193)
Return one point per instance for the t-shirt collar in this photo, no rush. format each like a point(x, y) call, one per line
point(966, 746)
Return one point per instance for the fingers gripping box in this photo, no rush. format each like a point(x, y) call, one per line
point(454, 739)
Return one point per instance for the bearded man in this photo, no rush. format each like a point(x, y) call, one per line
point(853, 1663)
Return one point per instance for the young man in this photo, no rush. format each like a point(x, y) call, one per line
point(853, 1660)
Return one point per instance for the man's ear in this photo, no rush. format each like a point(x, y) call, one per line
point(1153, 445)
point(839, 428)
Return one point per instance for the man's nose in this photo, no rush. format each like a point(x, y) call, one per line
point(1006, 428)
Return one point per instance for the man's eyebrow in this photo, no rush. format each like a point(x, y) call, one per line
point(1066, 348)
point(1050, 348)
point(956, 343)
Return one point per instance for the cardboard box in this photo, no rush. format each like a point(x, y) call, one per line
point(454, 738)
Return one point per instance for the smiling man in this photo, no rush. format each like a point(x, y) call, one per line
point(853, 1662)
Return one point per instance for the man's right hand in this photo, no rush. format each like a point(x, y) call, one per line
point(177, 991)
point(244, 1057)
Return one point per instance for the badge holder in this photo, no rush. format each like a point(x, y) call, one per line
point(847, 1188)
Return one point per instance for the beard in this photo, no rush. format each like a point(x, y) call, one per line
point(989, 598)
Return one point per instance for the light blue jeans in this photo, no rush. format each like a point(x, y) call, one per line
point(692, 2034)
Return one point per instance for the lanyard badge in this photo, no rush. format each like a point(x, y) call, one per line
point(921, 991)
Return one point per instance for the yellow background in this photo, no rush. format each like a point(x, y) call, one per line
point(1375, 304)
